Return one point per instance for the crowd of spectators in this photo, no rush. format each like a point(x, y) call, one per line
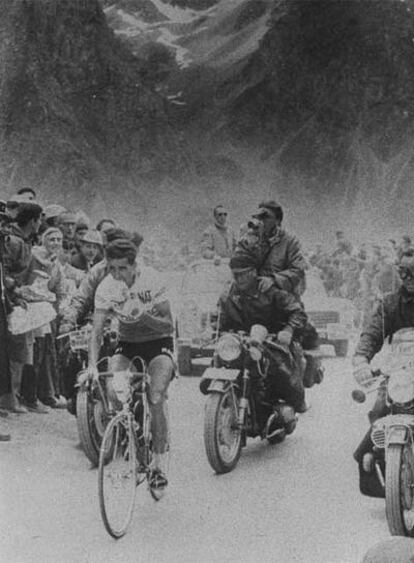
point(47, 253)
point(361, 273)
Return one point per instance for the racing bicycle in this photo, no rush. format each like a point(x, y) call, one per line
point(126, 449)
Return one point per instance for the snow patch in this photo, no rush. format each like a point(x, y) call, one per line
point(181, 53)
point(179, 15)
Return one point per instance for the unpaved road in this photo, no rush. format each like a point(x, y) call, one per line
point(294, 502)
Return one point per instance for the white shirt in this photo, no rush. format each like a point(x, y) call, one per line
point(127, 303)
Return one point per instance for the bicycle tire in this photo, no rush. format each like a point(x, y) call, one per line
point(117, 470)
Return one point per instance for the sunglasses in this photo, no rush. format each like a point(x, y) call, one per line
point(405, 273)
point(222, 214)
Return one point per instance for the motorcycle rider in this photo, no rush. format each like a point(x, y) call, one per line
point(245, 305)
point(393, 312)
point(134, 295)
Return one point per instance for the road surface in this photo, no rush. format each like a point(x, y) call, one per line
point(293, 502)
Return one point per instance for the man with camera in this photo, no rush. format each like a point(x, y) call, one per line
point(279, 255)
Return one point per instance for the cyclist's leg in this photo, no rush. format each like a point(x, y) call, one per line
point(119, 362)
point(161, 371)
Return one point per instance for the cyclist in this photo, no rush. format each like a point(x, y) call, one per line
point(134, 294)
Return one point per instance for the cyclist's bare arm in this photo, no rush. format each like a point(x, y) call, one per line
point(98, 323)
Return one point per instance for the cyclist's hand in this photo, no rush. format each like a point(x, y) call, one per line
point(285, 337)
point(362, 372)
point(93, 373)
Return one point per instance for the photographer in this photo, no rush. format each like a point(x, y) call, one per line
point(278, 254)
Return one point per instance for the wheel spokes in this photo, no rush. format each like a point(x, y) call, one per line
point(407, 487)
point(118, 477)
point(229, 434)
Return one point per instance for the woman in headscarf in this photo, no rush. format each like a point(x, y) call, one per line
point(42, 383)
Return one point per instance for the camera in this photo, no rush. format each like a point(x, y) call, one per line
point(254, 224)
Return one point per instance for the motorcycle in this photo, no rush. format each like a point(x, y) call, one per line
point(387, 456)
point(241, 400)
point(92, 408)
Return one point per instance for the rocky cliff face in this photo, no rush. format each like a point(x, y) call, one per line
point(183, 102)
point(75, 105)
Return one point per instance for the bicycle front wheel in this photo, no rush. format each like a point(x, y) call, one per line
point(117, 475)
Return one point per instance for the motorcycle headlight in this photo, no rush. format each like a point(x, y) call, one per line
point(401, 386)
point(228, 348)
point(255, 353)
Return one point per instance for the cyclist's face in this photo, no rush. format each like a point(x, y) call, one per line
point(122, 270)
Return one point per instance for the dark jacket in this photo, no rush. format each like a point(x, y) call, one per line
point(395, 311)
point(274, 309)
point(279, 257)
point(18, 255)
point(284, 262)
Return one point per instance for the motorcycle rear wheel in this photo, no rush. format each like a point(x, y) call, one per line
point(399, 493)
point(222, 437)
point(90, 429)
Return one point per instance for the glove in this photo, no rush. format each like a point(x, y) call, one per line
point(265, 283)
point(362, 372)
point(285, 337)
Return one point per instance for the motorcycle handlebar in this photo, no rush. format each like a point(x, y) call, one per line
point(360, 396)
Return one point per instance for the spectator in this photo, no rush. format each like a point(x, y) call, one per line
point(218, 239)
point(80, 231)
point(41, 383)
point(51, 215)
point(67, 224)
point(89, 247)
point(343, 246)
point(17, 268)
point(404, 246)
point(28, 193)
point(104, 226)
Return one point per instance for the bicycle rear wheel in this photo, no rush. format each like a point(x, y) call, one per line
point(117, 475)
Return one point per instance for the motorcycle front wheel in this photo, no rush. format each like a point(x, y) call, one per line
point(399, 489)
point(91, 422)
point(222, 437)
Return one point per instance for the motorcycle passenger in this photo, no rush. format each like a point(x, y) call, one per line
point(134, 294)
point(279, 255)
point(393, 312)
point(246, 304)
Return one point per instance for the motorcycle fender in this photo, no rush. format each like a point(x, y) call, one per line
point(397, 435)
point(218, 386)
point(83, 380)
